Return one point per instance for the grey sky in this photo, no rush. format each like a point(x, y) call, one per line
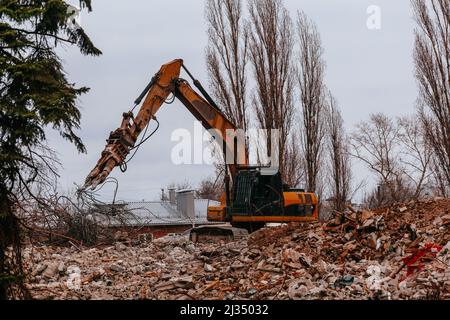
point(367, 70)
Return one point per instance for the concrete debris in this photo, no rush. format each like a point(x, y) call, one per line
point(401, 252)
point(209, 268)
point(116, 268)
point(344, 281)
point(51, 271)
point(403, 209)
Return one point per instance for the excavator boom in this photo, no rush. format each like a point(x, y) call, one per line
point(166, 82)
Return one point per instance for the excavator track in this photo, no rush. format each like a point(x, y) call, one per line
point(225, 233)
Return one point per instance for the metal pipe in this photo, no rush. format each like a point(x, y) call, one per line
point(201, 89)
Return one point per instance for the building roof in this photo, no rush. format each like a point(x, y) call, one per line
point(155, 213)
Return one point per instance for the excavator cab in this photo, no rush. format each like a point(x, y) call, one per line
point(257, 192)
point(259, 196)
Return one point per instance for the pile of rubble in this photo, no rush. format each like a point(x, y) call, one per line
point(401, 252)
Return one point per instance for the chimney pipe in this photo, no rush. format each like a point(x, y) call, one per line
point(185, 204)
point(172, 197)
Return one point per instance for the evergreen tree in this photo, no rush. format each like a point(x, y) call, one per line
point(34, 94)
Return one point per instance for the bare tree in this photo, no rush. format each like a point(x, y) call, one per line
point(310, 78)
point(375, 144)
point(227, 57)
point(432, 60)
point(271, 47)
point(438, 175)
point(183, 185)
point(339, 158)
point(294, 173)
point(210, 189)
point(416, 153)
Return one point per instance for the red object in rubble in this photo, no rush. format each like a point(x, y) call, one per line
point(413, 262)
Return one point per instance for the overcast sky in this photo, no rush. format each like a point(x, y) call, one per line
point(368, 71)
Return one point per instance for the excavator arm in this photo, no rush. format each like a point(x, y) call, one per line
point(166, 82)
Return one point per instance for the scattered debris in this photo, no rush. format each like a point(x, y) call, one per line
point(389, 253)
point(344, 281)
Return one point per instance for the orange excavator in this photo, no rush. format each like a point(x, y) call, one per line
point(253, 195)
